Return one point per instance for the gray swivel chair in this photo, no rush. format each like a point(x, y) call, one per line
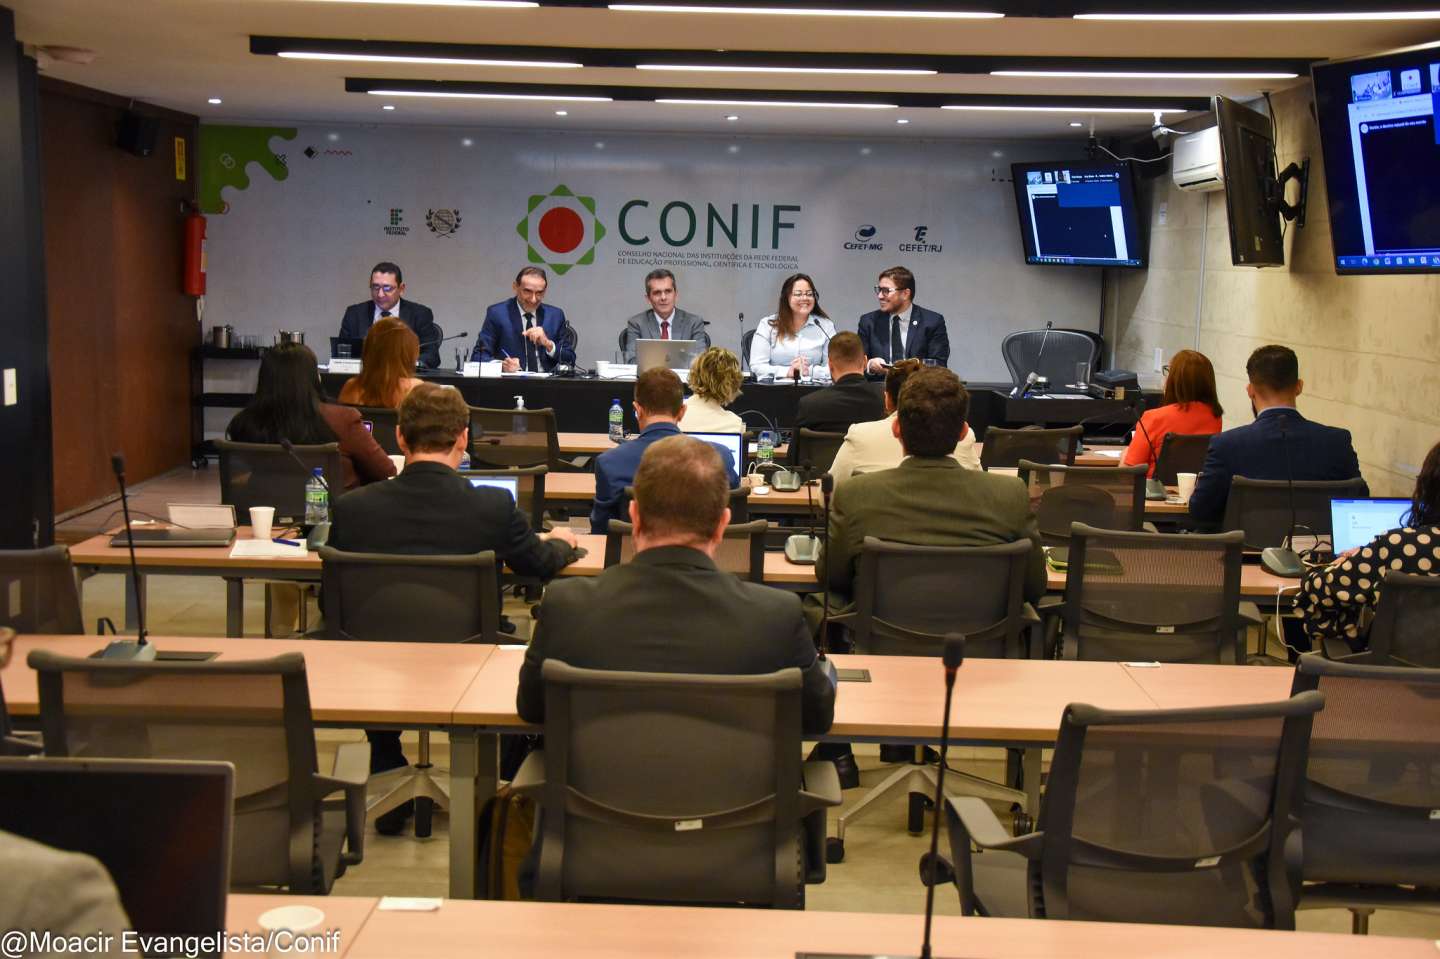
point(378, 597)
point(1406, 627)
point(264, 474)
point(1181, 453)
point(1367, 822)
point(906, 600)
point(254, 714)
point(816, 448)
point(383, 422)
point(1004, 449)
point(1106, 497)
point(678, 788)
point(38, 592)
point(501, 439)
point(745, 340)
point(11, 742)
point(1164, 597)
point(1063, 349)
point(741, 552)
point(1171, 816)
point(1263, 509)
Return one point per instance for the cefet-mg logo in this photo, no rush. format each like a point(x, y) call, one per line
point(561, 229)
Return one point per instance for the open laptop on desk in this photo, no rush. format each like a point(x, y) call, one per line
point(671, 354)
point(1355, 522)
point(509, 484)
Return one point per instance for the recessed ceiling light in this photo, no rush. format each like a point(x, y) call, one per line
point(732, 118)
point(1076, 123)
point(333, 137)
point(732, 148)
point(503, 4)
point(388, 106)
point(467, 142)
point(599, 144)
point(562, 113)
point(1144, 74)
point(864, 151)
point(486, 96)
point(440, 61)
point(834, 71)
point(903, 120)
point(807, 11)
point(779, 103)
point(1269, 17)
point(215, 100)
point(1080, 109)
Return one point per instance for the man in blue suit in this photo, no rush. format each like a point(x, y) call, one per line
point(659, 405)
point(522, 332)
point(1280, 443)
point(900, 330)
point(387, 285)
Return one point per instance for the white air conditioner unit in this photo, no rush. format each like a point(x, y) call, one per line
point(1195, 162)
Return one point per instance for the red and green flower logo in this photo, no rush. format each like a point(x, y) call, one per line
point(561, 229)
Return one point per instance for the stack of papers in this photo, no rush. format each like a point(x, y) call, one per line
point(265, 549)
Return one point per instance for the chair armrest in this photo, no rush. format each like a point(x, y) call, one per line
point(530, 777)
point(1148, 527)
point(1250, 615)
point(573, 464)
point(350, 773)
point(1337, 649)
point(969, 820)
point(1028, 614)
point(21, 744)
point(822, 786)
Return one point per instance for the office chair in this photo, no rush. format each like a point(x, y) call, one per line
point(1262, 509)
point(529, 489)
point(264, 474)
point(383, 422)
point(253, 713)
point(739, 505)
point(1106, 497)
point(815, 447)
point(38, 592)
point(1404, 630)
point(1162, 597)
point(1367, 818)
point(745, 340)
point(671, 787)
point(377, 597)
point(741, 552)
point(11, 742)
point(1181, 453)
point(1172, 816)
point(1063, 349)
point(906, 600)
point(500, 439)
point(1004, 449)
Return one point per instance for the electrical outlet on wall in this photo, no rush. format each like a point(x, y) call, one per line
point(1159, 359)
point(12, 395)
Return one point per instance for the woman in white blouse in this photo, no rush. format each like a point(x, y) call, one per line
point(715, 380)
point(795, 337)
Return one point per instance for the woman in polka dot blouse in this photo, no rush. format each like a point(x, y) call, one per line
point(1334, 598)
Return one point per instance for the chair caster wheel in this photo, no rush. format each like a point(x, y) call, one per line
point(944, 872)
point(424, 810)
point(1024, 823)
point(834, 850)
point(920, 804)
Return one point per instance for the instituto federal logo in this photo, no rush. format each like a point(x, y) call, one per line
point(561, 229)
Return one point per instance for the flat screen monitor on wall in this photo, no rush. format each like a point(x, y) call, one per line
point(1079, 213)
point(1381, 143)
point(1247, 154)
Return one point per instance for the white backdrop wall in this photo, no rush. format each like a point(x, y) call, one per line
point(293, 253)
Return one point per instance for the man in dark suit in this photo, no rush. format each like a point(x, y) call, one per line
point(849, 399)
point(430, 509)
point(386, 287)
point(670, 609)
point(899, 329)
point(1280, 443)
point(664, 320)
point(522, 332)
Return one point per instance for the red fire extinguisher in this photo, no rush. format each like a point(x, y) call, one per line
point(194, 255)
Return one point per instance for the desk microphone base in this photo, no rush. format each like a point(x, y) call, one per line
point(802, 549)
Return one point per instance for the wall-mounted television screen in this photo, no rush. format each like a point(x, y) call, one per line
point(1079, 213)
point(1381, 143)
point(1247, 152)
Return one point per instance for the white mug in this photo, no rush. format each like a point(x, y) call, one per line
point(297, 921)
point(1186, 482)
point(262, 519)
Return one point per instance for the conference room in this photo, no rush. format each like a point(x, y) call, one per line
point(1145, 302)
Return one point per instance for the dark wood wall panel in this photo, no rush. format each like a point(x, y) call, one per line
point(121, 331)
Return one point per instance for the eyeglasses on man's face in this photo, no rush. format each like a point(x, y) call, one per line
point(386, 288)
point(885, 291)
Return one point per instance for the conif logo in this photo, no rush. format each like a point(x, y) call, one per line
point(561, 230)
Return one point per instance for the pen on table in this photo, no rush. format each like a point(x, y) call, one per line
point(285, 542)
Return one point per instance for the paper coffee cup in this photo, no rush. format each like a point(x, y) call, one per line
point(1186, 482)
point(399, 462)
point(262, 519)
point(287, 923)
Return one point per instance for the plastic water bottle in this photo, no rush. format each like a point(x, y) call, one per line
point(317, 499)
point(617, 421)
point(765, 450)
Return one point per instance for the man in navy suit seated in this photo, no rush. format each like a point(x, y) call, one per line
point(659, 405)
point(1280, 444)
point(900, 330)
point(386, 287)
point(522, 332)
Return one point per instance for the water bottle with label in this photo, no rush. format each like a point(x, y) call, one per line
point(617, 421)
point(317, 499)
point(765, 449)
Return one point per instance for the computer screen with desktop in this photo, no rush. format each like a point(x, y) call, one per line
point(1356, 522)
point(509, 484)
point(1079, 213)
point(1381, 142)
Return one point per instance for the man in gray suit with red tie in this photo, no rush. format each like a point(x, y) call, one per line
point(664, 320)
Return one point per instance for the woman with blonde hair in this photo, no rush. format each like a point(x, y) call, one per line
point(793, 339)
point(1191, 406)
point(715, 380)
point(387, 366)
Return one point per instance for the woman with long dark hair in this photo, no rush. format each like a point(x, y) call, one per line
point(1190, 406)
point(793, 339)
point(1334, 599)
point(387, 367)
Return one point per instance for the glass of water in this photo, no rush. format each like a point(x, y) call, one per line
point(1082, 375)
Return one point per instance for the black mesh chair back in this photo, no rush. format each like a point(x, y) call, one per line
point(529, 490)
point(252, 713)
point(816, 448)
point(1063, 349)
point(10, 743)
point(745, 339)
point(1181, 453)
point(382, 424)
point(1004, 449)
point(1262, 508)
point(1373, 779)
point(264, 474)
point(1406, 628)
point(1164, 597)
point(671, 787)
point(500, 439)
point(410, 599)
point(906, 599)
point(1105, 497)
point(1174, 816)
point(38, 592)
point(741, 552)
point(739, 504)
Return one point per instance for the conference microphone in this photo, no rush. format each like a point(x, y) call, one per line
point(1282, 560)
point(827, 487)
point(136, 650)
point(801, 548)
point(1034, 379)
point(436, 343)
point(953, 656)
point(318, 534)
point(1154, 486)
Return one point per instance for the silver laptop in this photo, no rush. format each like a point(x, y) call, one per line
point(1355, 522)
point(509, 484)
point(671, 354)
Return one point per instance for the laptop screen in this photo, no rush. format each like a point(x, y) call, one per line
point(161, 829)
point(733, 442)
point(509, 484)
point(1355, 522)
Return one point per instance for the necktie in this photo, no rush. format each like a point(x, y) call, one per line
point(532, 360)
point(664, 329)
point(897, 343)
point(385, 313)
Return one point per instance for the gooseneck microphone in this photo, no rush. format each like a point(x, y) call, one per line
point(1034, 376)
point(827, 487)
point(289, 447)
point(137, 650)
point(1282, 560)
point(801, 548)
point(953, 656)
point(319, 535)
